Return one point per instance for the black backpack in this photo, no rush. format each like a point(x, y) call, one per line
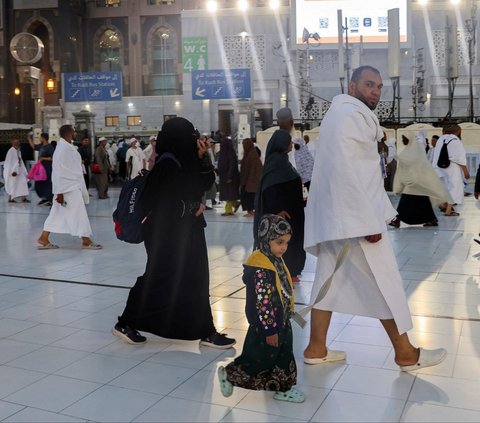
point(129, 216)
point(443, 159)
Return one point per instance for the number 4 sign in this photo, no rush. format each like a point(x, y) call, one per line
point(194, 53)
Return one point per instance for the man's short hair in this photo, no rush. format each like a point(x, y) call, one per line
point(451, 129)
point(284, 115)
point(357, 73)
point(44, 135)
point(65, 130)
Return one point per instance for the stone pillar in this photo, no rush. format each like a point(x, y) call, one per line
point(51, 120)
point(135, 50)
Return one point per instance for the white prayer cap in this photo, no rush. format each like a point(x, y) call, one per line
point(102, 139)
point(131, 141)
point(152, 138)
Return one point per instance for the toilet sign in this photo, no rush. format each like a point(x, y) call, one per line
point(194, 53)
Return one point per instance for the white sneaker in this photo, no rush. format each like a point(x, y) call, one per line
point(331, 357)
point(426, 358)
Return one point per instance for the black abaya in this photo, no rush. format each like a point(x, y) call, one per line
point(415, 209)
point(171, 299)
point(288, 196)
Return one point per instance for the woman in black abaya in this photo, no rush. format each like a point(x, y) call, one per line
point(281, 192)
point(171, 299)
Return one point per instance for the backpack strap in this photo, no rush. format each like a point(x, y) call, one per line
point(170, 156)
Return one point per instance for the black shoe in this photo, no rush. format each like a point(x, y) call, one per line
point(129, 334)
point(208, 208)
point(395, 223)
point(42, 201)
point(218, 340)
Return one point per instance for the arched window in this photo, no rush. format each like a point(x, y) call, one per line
point(164, 75)
point(109, 45)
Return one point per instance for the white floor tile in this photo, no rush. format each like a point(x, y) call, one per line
point(47, 359)
point(155, 378)
point(420, 412)
point(350, 407)
point(112, 404)
point(52, 393)
point(85, 340)
point(379, 382)
point(13, 349)
point(43, 334)
point(242, 416)
point(9, 327)
point(263, 402)
point(34, 415)
point(7, 409)
point(467, 367)
point(179, 410)
point(210, 391)
point(98, 368)
point(458, 393)
point(14, 379)
point(364, 335)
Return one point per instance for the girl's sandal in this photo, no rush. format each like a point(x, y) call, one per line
point(292, 395)
point(225, 386)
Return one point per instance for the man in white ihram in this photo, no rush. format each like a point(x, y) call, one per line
point(15, 174)
point(347, 202)
point(68, 213)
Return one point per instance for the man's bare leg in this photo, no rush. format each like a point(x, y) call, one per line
point(405, 353)
point(44, 238)
point(320, 321)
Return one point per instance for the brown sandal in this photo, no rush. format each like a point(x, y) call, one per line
point(452, 213)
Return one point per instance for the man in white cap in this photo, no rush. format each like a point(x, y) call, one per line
point(15, 174)
point(135, 159)
point(101, 158)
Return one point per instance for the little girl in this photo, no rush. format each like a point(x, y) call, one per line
point(267, 361)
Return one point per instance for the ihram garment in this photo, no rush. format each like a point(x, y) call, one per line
point(452, 176)
point(67, 179)
point(15, 186)
point(349, 203)
point(419, 185)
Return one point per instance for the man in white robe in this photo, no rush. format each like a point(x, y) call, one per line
point(15, 174)
point(349, 203)
point(68, 214)
point(135, 159)
point(453, 175)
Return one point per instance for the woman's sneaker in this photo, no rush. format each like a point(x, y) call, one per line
point(129, 334)
point(218, 340)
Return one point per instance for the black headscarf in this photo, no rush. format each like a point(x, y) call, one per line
point(179, 137)
point(276, 170)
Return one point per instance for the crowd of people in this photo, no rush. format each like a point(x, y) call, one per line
point(303, 197)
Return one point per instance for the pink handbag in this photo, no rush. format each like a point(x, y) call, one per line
point(37, 172)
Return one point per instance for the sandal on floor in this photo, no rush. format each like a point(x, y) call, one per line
point(292, 395)
point(48, 246)
point(453, 213)
point(432, 223)
point(331, 357)
point(225, 386)
point(426, 358)
point(92, 246)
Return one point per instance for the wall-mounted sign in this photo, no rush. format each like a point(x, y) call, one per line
point(194, 53)
point(92, 86)
point(218, 84)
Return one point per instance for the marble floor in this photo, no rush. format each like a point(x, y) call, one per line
point(59, 361)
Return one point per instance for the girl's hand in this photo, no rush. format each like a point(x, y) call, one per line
point(284, 214)
point(272, 340)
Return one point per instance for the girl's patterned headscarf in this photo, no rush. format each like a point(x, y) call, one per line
point(272, 227)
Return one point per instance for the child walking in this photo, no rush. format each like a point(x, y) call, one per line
point(267, 361)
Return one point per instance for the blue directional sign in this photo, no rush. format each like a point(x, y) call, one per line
point(92, 86)
point(219, 84)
